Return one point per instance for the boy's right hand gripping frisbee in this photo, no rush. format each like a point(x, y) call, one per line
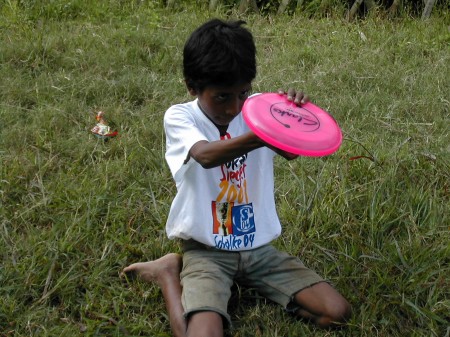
point(305, 130)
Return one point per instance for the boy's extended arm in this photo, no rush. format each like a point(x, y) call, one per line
point(212, 154)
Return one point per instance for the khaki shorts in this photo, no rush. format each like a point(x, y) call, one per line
point(208, 275)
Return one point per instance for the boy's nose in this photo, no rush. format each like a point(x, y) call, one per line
point(234, 108)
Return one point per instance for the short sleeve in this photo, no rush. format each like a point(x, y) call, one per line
point(182, 132)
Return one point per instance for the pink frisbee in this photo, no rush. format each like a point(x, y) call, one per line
point(303, 130)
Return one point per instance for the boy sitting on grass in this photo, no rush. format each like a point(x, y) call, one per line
point(224, 210)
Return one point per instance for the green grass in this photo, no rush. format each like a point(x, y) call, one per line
point(75, 210)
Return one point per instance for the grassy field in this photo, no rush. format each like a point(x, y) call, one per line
point(372, 218)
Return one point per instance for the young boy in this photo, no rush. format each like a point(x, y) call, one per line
point(224, 210)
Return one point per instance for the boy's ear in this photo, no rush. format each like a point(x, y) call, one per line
point(191, 90)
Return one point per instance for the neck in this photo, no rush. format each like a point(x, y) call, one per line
point(222, 128)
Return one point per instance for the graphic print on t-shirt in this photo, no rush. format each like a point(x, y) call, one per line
point(233, 217)
point(232, 220)
point(243, 219)
point(222, 218)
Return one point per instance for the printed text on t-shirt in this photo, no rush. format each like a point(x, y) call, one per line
point(233, 186)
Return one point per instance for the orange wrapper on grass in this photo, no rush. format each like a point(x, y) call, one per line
point(102, 129)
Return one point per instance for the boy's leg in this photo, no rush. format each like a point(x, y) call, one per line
point(278, 275)
point(205, 324)
point(166, 273)
point(323, 305)
point(207, 278)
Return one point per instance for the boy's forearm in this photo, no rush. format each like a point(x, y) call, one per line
point(212, 154)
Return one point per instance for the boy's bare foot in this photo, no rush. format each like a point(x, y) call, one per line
point(165, 271)
point(159, 271)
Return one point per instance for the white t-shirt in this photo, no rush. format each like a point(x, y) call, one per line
point(229, 207)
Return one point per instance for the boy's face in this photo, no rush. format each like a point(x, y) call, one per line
point(222, 103)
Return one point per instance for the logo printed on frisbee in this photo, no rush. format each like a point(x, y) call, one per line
point(302, 119)
point(305, 130)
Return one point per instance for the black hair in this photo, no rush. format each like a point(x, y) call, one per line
point(219, 53)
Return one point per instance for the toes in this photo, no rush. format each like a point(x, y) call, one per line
point(128, 272)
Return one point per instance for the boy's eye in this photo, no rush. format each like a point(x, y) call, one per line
point(244, 95)
point(225, 97)
point(222, 97)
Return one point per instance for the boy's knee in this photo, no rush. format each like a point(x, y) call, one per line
point(339, 312)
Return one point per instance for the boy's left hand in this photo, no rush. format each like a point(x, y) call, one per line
point(298, 97)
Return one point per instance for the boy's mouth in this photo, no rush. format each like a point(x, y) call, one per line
point(224, 121)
